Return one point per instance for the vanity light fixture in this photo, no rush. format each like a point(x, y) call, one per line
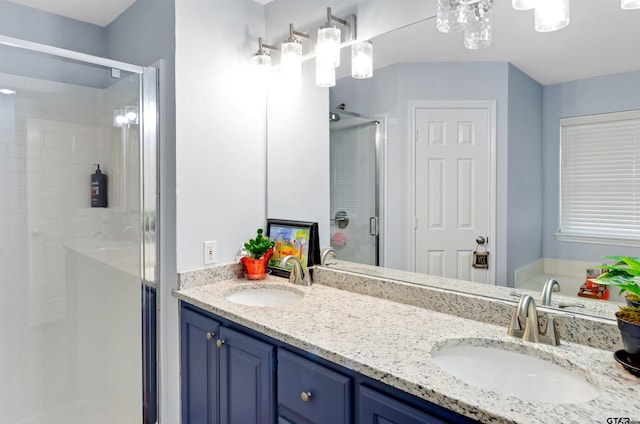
point(630, 4)
point(329, 38)
point(262, 57)
point(523, 4)
point(125, 116)
point(448, 18)
point(325, 75)
point(131, 114)
point(291, 55)
point(551, 15)
point(477, 31)
point(472, 16)
point(362, 60)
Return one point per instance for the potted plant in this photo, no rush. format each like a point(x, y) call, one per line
point(259, 251)
point(625, 274)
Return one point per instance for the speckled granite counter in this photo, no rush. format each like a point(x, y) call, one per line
point(591, 307)
point(391, 342)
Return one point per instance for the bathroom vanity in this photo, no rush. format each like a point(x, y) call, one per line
point(344, 357)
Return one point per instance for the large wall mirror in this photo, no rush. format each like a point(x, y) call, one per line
point(526, 81)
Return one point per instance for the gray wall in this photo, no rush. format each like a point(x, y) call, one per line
point(54, 30)
point(524, 181)
point(609, 93)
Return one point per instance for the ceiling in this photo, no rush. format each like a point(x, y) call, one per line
point(601, 38)
point(98, 12)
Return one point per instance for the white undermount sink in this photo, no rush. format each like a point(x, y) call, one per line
point(265, 295)
point(515, 374)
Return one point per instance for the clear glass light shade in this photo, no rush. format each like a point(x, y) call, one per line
point(328, 49)
point(261, 58)
point(119, 118)
point(551, 15)
point(131, 114)
point(630, 4)
point(325, 75)
point(362, 60)
point(477, 34)
point(523, 4)
point(291, 59)
point(449, 16)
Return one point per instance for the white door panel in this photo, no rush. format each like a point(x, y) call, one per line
point(452, 189)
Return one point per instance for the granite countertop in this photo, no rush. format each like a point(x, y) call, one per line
point(392, 342)
point(594, 307)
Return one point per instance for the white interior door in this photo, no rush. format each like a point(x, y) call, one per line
point(452, 190)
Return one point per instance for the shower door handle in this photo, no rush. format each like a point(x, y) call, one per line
point(373, 226)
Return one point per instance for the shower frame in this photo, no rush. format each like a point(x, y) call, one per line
point(379, 193)
point(149, 147)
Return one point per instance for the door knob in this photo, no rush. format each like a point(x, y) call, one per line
point(481, 239)
point(305, 396)
point(210, 335)
point(219, 342)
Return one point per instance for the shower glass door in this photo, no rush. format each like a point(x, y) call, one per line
point(70, 273)
point(354, 158)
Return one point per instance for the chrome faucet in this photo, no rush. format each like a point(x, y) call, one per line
point(550, 286)
point(325, 254)
point(297, 274)
point(526, 309)
point(553, 286)
point(531, 333)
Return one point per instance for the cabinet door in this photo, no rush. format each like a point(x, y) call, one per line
point(247, 379)
point(376, 408)
point(311, 393)
point(199, 358)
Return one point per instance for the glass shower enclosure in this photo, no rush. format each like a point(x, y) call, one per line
point(72, 275)
point(354, 186)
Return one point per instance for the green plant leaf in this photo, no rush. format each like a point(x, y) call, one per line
point(624, 274)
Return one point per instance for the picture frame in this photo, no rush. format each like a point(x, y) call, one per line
point(297, 238)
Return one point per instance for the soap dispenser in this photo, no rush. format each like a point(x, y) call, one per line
point(98, 189)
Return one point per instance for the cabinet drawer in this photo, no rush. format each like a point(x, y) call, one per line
point(327, 394)
point(378, 408)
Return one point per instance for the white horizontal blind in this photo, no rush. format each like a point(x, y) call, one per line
point(600, 176)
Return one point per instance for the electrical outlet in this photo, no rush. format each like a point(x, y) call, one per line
point(210, 251)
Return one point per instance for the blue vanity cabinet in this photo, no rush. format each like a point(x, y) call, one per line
point(252, 378)
point(376, 408)
point(227, 377)
point(247, 379)
point(199, 368)
point(311, 393)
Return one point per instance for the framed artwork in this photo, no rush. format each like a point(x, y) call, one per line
point(297, 238)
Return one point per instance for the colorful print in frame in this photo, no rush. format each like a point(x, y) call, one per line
point(296, 238)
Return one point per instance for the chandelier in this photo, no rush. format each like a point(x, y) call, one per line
point(474, 17)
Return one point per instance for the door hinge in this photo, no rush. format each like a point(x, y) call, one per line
point(415, 222)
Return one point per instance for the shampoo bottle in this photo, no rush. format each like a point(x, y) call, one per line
point(98, 189)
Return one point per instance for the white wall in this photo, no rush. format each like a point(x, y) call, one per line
point(298, 154)
point(220, 128)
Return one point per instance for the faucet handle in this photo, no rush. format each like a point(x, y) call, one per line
point(515, 329)
point(552, 328)
point(308, 280)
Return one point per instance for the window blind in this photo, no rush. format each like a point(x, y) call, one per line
point(600, 176)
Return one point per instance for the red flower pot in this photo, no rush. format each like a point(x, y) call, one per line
point(256, 269)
